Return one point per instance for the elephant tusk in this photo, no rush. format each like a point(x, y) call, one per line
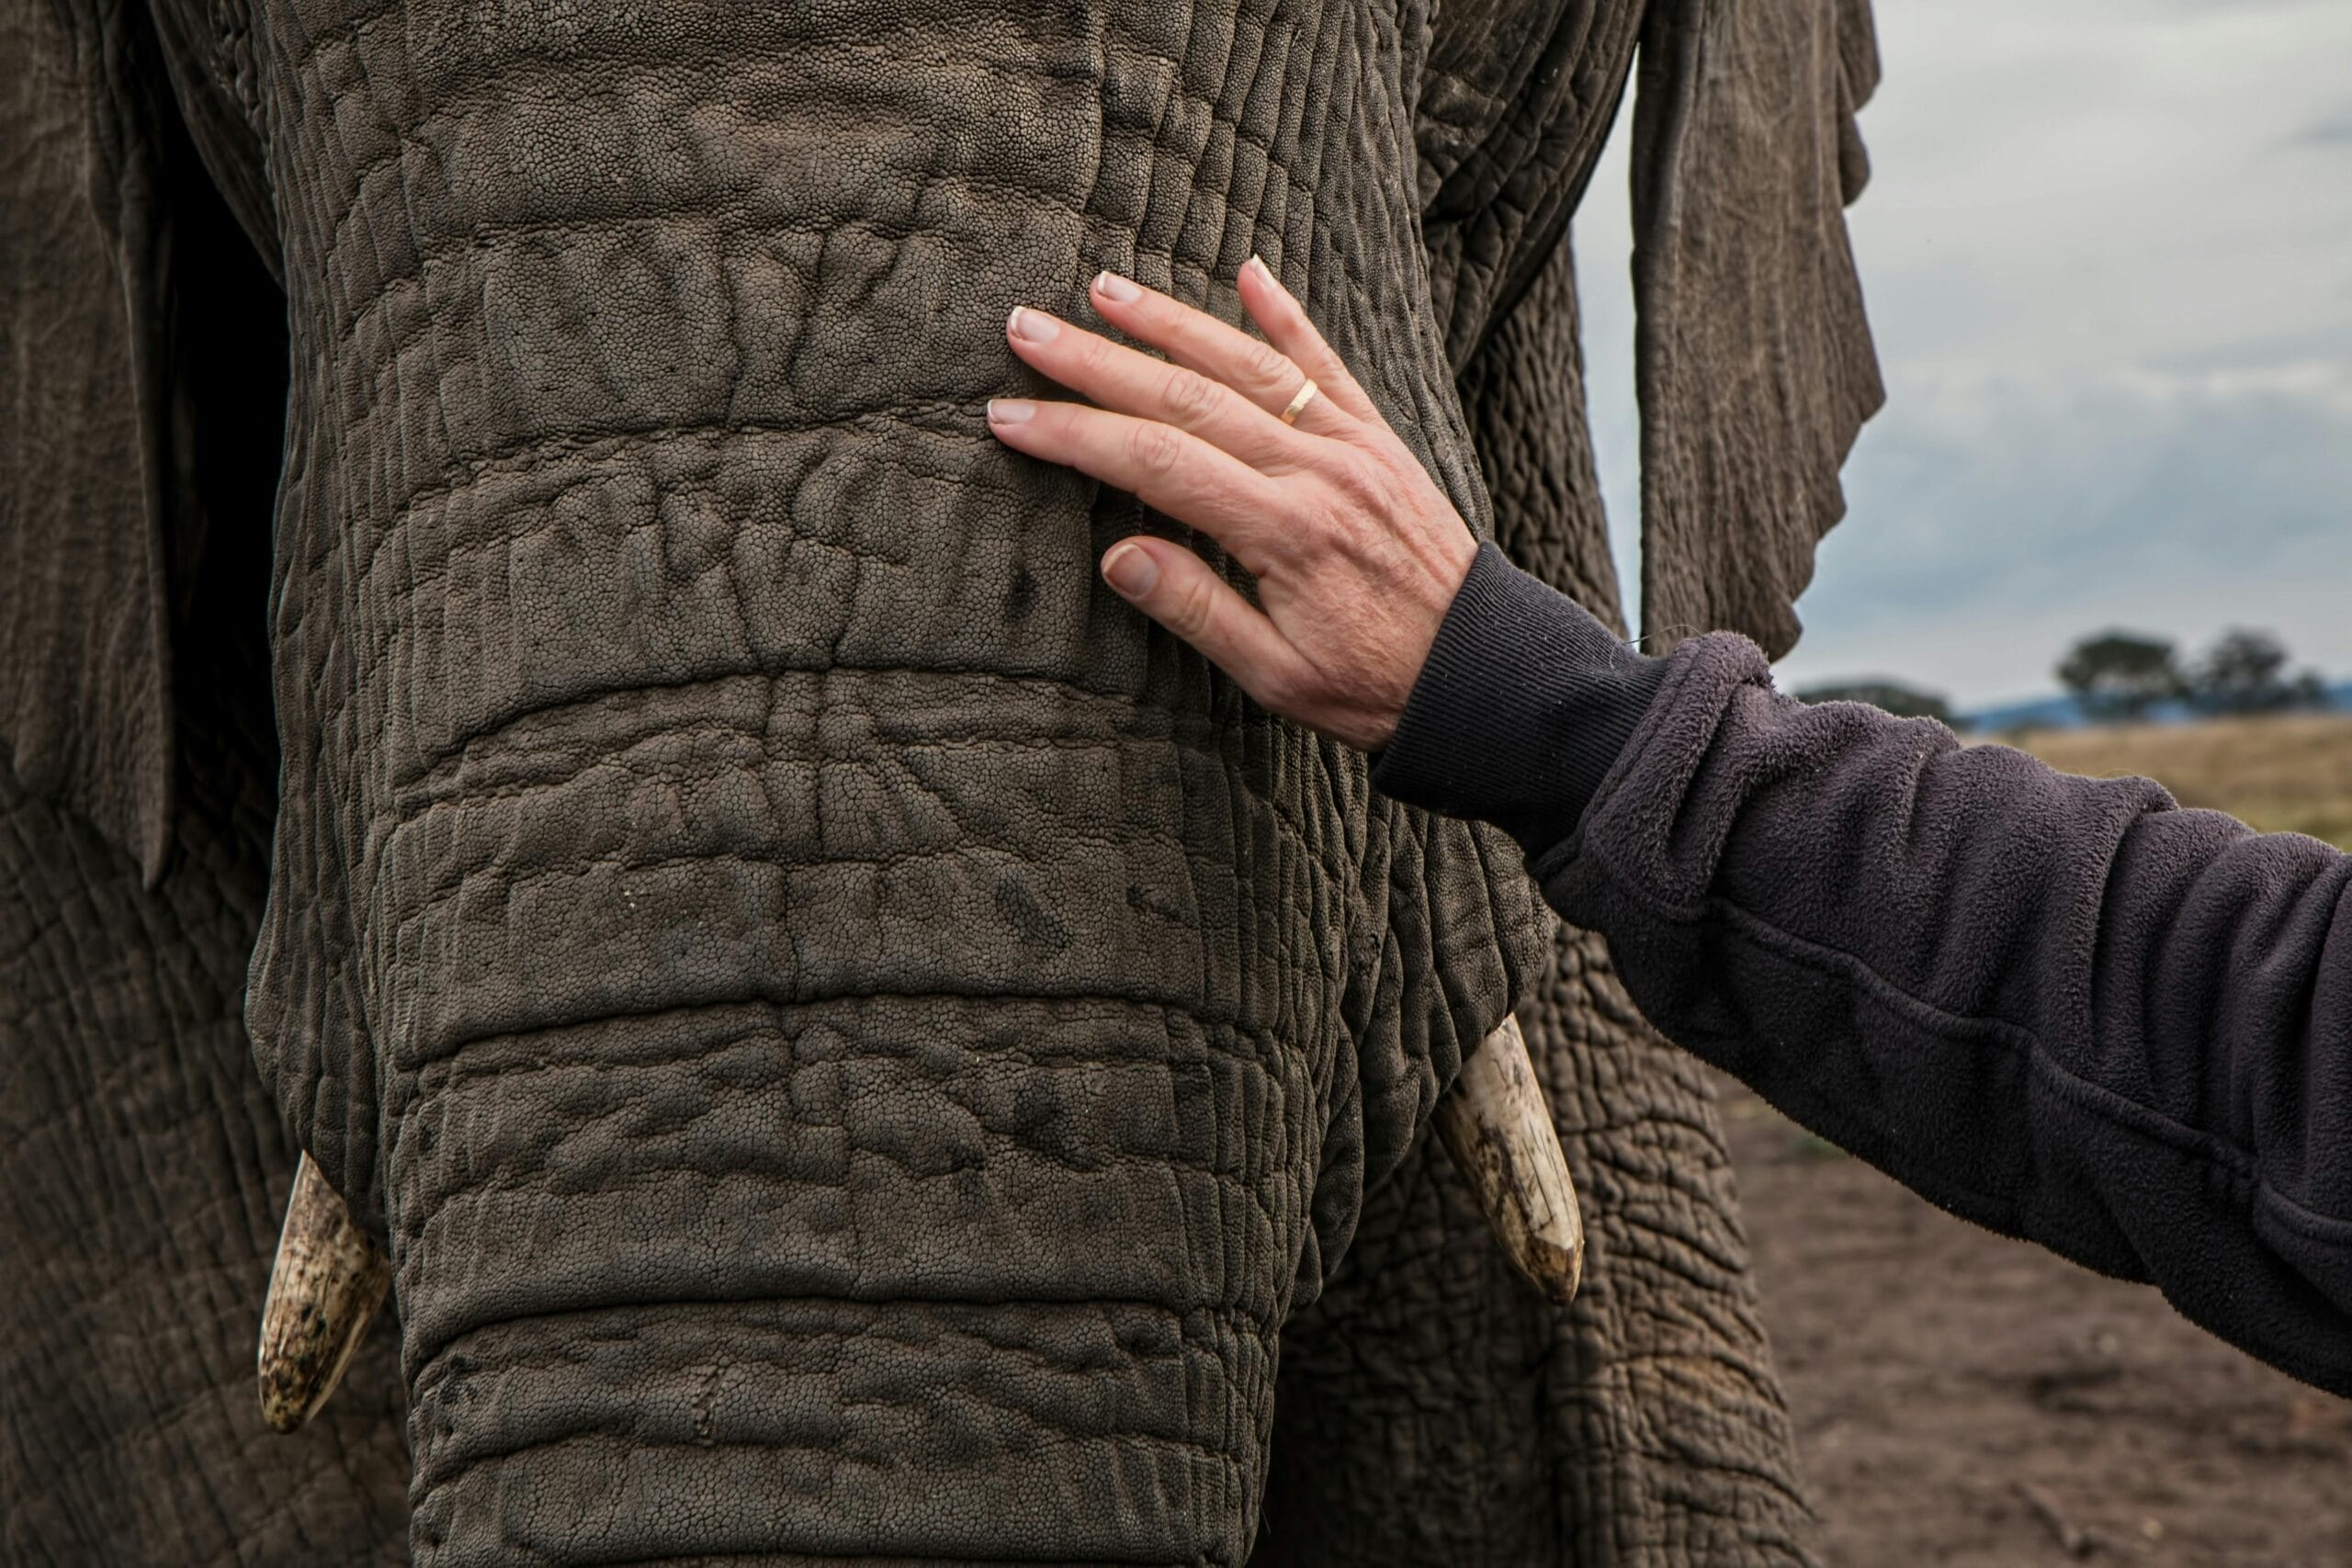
point(325, 1287)
point(1498, 1130)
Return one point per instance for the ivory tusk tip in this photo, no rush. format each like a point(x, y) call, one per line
point(325, 1286)
point(1498, 1130)
point(1555, 1267)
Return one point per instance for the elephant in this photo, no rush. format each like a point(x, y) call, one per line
point(523, 679)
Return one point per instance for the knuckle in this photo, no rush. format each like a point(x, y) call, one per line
point(1361, 481)
point(1195, 603)
point(1189, 397)
point(1093, 353)
point(1269, 366)
point(1154, 449)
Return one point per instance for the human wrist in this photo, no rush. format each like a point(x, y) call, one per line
point(1521, 709)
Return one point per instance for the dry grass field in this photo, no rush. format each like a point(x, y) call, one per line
point(1964, 1400)
point(2292, 773)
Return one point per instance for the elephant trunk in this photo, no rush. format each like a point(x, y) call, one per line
point(328, 1278)
point(949, 1280)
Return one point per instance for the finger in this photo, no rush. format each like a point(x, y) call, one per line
point(1285, 322)
point(1121, 379)
point(1173, 471)
point(1257, 370)
point(1175, 587)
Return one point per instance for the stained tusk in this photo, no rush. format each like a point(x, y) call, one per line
point(329, 1278)
point(1498, 1130)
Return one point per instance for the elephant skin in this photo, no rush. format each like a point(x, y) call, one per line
point(854, 1045)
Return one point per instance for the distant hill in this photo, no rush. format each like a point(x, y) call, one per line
point(2063, 712)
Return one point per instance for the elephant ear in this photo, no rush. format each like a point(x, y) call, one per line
point(108, 222)
point(1755, 364)
point(84, 664)
point(1512, 105)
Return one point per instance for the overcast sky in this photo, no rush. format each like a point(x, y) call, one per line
point(2107, 248)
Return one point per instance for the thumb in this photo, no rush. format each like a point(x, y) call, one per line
point(1176, 588)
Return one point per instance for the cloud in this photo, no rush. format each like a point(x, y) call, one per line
point(1994, 519)
point(2326, 133)
point(2116, 326)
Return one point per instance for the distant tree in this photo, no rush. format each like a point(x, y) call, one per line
point(2120, 675)
point(2246, 672)
point(1903, 701)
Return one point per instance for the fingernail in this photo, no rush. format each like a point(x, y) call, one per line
point(1011, 411)
point(1034, 326)
point(1117, 289)
point(1258, 264)
point(1130, 570)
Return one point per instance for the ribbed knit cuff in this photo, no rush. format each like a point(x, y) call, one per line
point(1521, 711)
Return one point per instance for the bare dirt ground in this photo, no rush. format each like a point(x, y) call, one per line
point(1959, 1398)
point(1964, 1399)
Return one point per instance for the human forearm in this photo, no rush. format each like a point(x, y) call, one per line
point(2058, 1006)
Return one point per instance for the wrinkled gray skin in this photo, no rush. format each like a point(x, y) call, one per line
point(856, 1047)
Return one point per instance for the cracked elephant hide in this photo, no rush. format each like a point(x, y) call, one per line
point(856, 1047)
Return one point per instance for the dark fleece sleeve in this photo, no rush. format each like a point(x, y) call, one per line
point(2063, 1008)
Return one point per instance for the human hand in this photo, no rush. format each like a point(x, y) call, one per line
point(1356, 552)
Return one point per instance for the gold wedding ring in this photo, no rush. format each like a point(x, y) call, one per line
point(1299, 400)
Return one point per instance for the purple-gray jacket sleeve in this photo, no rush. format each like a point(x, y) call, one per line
point(2063, 1008)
